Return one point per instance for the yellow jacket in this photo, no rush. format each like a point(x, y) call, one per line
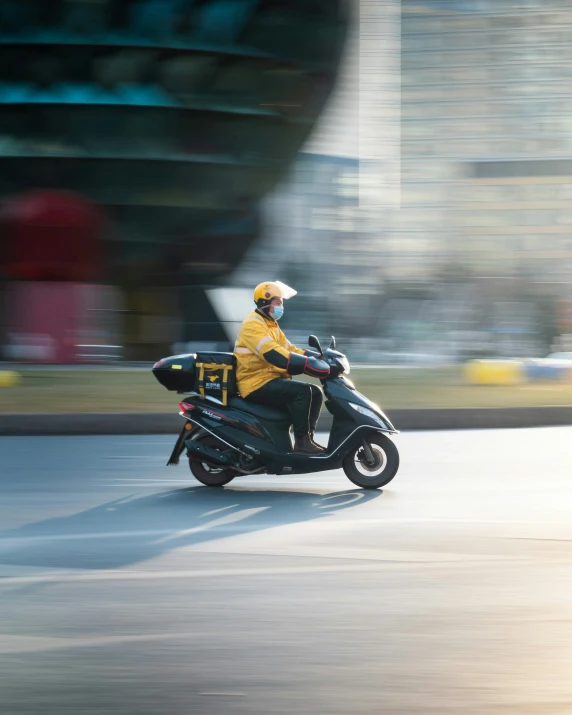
point(257, 336)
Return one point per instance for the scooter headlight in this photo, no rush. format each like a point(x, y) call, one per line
point(345, 363)
point(367, 412)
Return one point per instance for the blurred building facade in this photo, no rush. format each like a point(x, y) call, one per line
point(178, 120)
point(487, 139)
point(487, 160)
point(477, 254)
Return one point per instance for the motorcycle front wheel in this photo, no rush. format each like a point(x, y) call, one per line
point(376, 474)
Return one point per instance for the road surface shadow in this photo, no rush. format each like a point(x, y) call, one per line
point(134, 529)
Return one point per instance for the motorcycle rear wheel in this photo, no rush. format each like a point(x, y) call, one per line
point(383, 469)
point(209, 475)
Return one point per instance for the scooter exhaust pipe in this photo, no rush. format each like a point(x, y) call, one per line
point(196, 450)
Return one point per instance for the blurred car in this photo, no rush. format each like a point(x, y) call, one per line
point(560, 357)
point(556, 366)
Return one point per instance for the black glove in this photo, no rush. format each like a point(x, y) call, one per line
point(317, 368)
point(312, 353)
point(299, 364)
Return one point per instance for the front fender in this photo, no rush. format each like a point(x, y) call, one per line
point(355, 438)
point(388, 426)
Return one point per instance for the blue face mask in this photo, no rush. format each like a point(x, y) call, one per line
point(278, 312)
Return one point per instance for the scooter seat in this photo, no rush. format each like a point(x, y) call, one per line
point(273, 414)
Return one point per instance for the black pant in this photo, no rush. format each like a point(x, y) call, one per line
point(302, 400)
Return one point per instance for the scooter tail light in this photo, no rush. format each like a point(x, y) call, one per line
point(186, 406)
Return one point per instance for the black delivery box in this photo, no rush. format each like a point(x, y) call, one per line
point(177, 373)
point(209, 374)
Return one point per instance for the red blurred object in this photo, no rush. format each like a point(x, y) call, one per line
point(51, 236)
point(43, 322)
point(56, 322)
point(565, 314)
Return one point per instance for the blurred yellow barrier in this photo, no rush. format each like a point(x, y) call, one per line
point(495, 372)
point(8, 378)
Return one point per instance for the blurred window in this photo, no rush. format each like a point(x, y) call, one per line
point(547, 167)
point(348, 184)
point(323, 220)
point(125, 65)
point(184, 75)
point(223, 20)
point(565, 191)
point(154, 19)
point(86, 17)
point(17, 16)
point(564, 218)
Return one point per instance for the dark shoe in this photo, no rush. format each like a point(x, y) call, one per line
point(304, 444)
point(312, 440)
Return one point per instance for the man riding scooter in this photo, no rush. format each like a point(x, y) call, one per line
point(266, 362)
point(228, 436)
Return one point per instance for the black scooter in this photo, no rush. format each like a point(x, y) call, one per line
point(244, 438)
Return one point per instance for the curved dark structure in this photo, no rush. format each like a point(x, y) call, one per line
point(176, 116)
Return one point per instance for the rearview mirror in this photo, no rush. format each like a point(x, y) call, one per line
point(313, 342)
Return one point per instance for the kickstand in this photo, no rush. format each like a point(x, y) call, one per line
point(179, 447)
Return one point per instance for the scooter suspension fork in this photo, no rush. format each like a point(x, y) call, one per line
point(369, 456)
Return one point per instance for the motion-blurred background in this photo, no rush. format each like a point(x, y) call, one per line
point(161, 157)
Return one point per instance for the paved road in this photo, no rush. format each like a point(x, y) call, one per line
point(127, 589)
